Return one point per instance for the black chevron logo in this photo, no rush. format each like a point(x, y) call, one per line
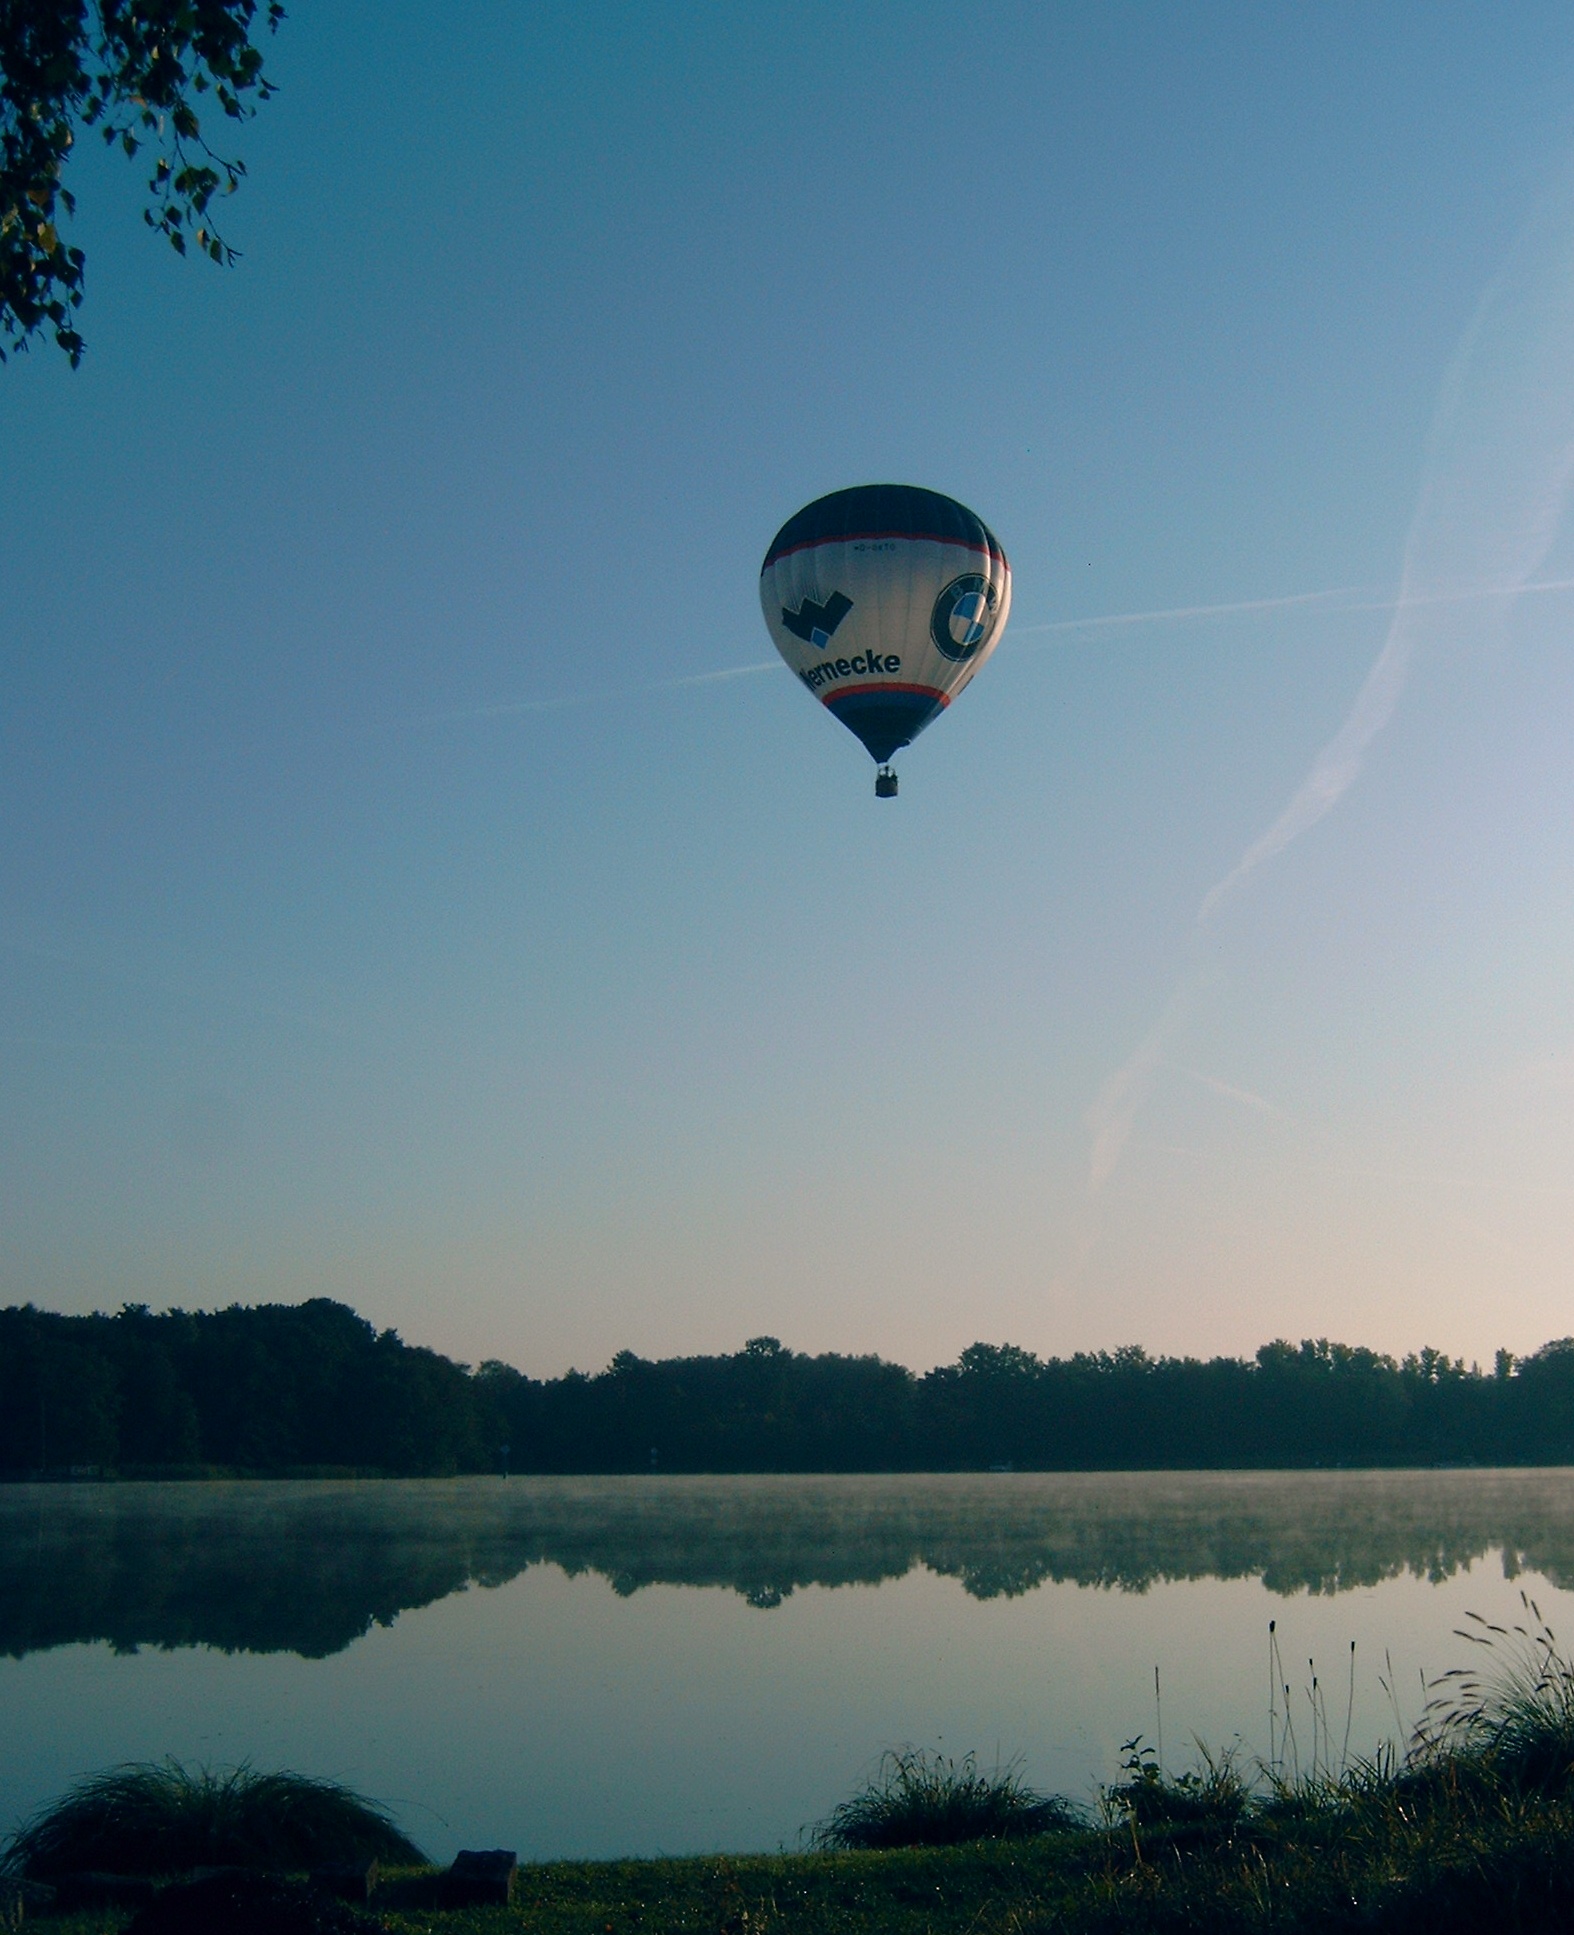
point(814, 623)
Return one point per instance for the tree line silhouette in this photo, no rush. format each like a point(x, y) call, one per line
point(313, 1387)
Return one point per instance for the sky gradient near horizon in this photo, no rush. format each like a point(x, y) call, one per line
point(420, 886)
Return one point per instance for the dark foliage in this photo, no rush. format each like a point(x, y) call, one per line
point(289, 1388)
point(277, 1388)
point(133, 70)
point(163, 1818)
point(1213, 1796)
point(768, 1409)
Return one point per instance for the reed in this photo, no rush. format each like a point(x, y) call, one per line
point(1513, 1710)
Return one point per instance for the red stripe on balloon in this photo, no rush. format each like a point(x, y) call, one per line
point(917, 691)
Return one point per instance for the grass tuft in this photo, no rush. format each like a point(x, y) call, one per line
point(1515, 1714)
point(161, 1818)
point(920, 1800)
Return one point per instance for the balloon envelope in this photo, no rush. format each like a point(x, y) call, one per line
point(885, 600)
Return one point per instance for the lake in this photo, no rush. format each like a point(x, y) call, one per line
point(641, 1665)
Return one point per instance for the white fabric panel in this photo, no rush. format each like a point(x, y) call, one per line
point(894, 585)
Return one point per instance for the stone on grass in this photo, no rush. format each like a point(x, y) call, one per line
point(479, 1876)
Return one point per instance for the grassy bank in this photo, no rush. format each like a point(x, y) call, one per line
point(1471, 1828)
point(1466, 1843)
point(1510, 1868)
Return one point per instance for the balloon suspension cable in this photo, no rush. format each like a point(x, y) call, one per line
point(885, 784)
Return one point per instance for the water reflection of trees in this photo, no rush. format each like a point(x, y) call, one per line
point(308, 1568)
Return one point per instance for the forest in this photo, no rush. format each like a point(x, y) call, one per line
point(313, 1389)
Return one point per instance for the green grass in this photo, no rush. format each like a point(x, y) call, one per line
point(162, 1819)
point(1472, 1829)
point(1436, 1864)
point(1443, 1853)
point(1460, 1857)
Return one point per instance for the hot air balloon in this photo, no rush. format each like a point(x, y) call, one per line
point(885, 600)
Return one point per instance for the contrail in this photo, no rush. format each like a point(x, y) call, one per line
point(512, 708)
point(1168, 614)
point(1115, 1107)
point(1335, 767)
point(1509, 535)
point(1258, 1104)
point(1341, 598)
point(1498, 467)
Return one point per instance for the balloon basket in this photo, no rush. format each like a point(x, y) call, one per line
point(885, 784)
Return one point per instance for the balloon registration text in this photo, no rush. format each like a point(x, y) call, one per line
point(870, 665)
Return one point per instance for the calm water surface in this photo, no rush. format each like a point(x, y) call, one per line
point(632, 1666)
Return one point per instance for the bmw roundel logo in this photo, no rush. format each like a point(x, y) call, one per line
point(961, 618)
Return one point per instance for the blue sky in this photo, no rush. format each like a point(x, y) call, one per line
point(392, 904)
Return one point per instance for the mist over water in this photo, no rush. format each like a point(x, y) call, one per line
point(309, 1568)
point(631, 1665)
